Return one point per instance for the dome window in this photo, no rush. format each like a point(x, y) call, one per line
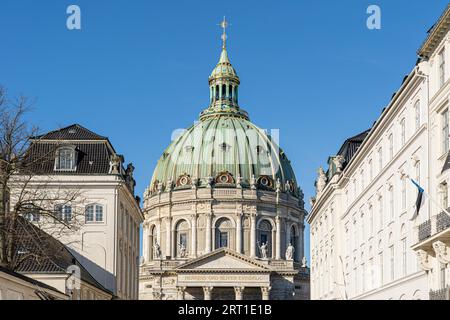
point(184, 180)
point(189, 148)
point(259, 149)
point(224, 147)
point(265, 181)
point(224, 177)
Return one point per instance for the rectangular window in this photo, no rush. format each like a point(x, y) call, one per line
point(391, 203)
point(380, 212)
point(417, 169)
point(380, 159)
point(64, 212)
point(363, 184)
point(404, 257)
point(363, 277)
point(441, 68)
point(392, 262)
point(403, 132)
point(417, 114)
point(98, 213)
point(371, 220)
point(404, 196)
point(223, 239)
point(380, 268)
point(89, 213)
point(445, 138)
point(391, 147)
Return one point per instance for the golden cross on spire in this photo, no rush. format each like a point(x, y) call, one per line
point(224, 25)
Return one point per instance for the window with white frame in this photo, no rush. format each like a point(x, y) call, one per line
point(404, 257)
point(94, 213)
point(441, 68)
point(380, 159)
point(380, 268)
point(417, 114)
point(65, 159)
point(417, 171)
point(404, 194)
point(443, 189)
point(403, 132)
point(391, 203)
point(362, 181)
point(380, 212)
point(371, 219)
point(391, 146)
point(445, 132)
point(392, 262)
point(64, 212)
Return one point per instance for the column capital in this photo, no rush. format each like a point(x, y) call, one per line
point(265, 291)
point(239, 289)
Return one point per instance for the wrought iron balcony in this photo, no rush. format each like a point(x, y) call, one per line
point(425, 230)
point(442, 222)
point(441, 294)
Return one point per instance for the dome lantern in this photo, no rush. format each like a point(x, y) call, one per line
point(223, 84)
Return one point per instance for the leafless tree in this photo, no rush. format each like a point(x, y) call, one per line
point(27, 192)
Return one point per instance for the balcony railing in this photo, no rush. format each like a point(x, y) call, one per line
point(425, 230)
point(442, 221)
point(441, 294)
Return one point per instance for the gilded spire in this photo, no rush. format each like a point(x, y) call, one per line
point(224, 25)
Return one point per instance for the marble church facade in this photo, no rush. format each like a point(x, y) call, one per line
point(224, 217)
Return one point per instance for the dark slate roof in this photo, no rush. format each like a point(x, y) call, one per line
point(47, 255)
point(92, 157)
point(29, 280)
point(351, 145)
point(72, 132)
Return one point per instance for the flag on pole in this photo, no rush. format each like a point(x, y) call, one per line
point(419, 200)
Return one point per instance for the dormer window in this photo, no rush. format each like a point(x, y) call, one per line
point(65, 159)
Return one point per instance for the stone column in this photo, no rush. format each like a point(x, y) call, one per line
point(278, 238)
point(288, 235)
point(208, 233)
point(168, 236)
point(180, 293)
point(207, 291)
point(145, 242)
point(239, 293)
point(239, 232)
point(194, 236)
point(265, 291)
point(300, 247)
point(253, 235)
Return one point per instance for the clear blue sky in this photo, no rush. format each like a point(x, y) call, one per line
point(138, 69)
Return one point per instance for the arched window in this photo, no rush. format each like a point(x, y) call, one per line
point(403, 131)
point(223, 233)
point(217, 92)
point(265, 236)
point(417, 114)
point(182, 236)
point(65, 159)
point(294, 239)
point(230, 92)
point(63, 212)
point(94, 213)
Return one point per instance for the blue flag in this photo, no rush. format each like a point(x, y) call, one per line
point(419, 200)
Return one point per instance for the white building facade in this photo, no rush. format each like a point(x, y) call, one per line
point(363, 221)
point(94, 194)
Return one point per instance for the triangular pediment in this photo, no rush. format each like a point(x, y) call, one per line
point(223, 259)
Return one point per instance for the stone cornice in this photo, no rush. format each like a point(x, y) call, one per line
point(436, 35)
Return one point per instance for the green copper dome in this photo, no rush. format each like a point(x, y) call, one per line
point(224, 149)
